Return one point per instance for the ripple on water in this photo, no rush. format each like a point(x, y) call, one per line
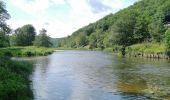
point(91, 75)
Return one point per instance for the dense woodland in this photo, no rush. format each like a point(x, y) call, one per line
point(145, 21)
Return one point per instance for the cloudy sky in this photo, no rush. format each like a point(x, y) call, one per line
point(60, 17)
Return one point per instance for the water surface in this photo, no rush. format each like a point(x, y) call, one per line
point(93, 75)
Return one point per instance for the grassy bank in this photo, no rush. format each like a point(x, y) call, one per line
point(25, 51)
point(63, 48)
point(14, 80)
point(147, 50)
point(14, 75)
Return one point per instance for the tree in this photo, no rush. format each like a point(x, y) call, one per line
point(141, 30)
point(124, 30)
point(4, 29)
point(92, 41)
point(42, 40)
point(4, 39)
point(143, 21)
point(156, 28)
point(23, 36)
point(167, 41)
point(29, 33)
point(81, 40)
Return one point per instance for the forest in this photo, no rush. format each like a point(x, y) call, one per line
point(146, 22)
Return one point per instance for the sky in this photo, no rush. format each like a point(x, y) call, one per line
point(60, 17)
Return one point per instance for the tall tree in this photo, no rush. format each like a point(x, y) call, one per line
point(42, 40)
point(29, 33)
point(124, 30)
point(4, 29)
point(23, 36)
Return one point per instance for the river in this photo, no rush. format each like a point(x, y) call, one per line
point(94, 75)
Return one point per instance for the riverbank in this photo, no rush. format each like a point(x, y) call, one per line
point(14, 80)
point(26, 51)
point(143, 50)
point(147, 50)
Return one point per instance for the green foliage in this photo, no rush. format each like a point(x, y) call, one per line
point(142, 22)
point(167, 41)
point(54, 42)
point(42, 40)
point(25, 51)
point(23, 36)
point(4, 40)
point(124, 29)
point(147, 48)
point(93, 41)
point(4, 29)
point(14, 84)
point(81, 40)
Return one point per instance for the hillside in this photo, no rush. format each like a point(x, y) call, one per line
point(144, 21)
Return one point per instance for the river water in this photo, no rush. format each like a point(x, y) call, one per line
point(94, 75)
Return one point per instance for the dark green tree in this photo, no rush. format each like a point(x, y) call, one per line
point(124, 30)
point(156, 28)
point(4, 28)
point(167, 41)
point(23, 36)
point(81, 40)
point(92, 41)
point(42, 40)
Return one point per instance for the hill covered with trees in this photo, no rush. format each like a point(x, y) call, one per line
point(144, 21)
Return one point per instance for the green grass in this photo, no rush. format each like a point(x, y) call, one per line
point(62, 48)
point(14, 80)
point(108, 50)
point(147, 48)
point(14, 75)
point(25, 51)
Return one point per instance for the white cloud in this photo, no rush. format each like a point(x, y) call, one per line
point(79, 14)
point(35, 6)
point(114, 4)
point(57, 2)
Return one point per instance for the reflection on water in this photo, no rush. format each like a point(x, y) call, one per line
point(91, 75)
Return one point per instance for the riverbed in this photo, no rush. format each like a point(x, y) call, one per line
point(95, 75)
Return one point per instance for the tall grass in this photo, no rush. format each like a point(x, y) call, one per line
point(147, 48)
point(25, 51)
point(14, 80)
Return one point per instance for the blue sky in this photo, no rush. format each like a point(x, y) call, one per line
point(60, 17)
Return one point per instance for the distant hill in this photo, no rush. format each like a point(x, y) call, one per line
point(56, 41)
point(144, 21)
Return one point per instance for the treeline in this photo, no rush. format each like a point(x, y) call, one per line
point(145, 21)
point(26, 36)
point(22, 36)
